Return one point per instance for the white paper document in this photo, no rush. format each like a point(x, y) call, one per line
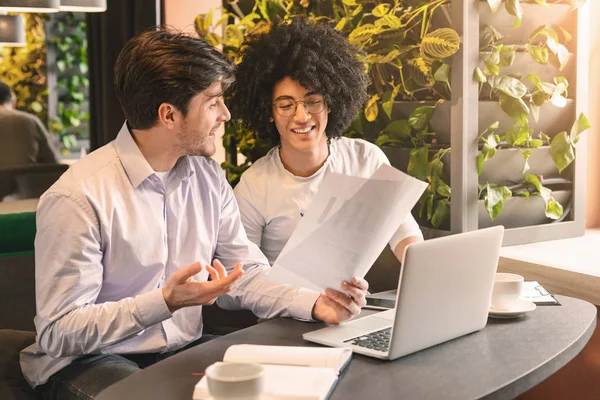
point(346, 227)
point(290, 373)
point(536, 293)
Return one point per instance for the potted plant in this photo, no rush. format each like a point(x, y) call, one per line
point(527, 85)
point(408, 45)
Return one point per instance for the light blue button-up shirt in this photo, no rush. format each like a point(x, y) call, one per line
point(109, 235)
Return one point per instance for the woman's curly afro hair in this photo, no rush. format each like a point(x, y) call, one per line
point(315, 55)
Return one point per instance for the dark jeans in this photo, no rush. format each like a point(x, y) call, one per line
point(87, 376)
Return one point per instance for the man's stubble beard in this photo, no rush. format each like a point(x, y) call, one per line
point(191, 146)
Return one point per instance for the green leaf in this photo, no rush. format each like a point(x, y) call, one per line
point(479, 75)
point(436, 166)
point(371, 109)
point(430, 206)
point(443, 189)
point(341, 24)
point(363, 34)
point(442, 211)
point(421, 116)
point(514, 108)
point(381, 10)
point(511, 86)
point(208, 20)
point(554, 210)
point(544, 137)
point(513, 7)
point(383, 140)
point(487, 152)
point(507, 56)
point(558, 100)
point(562, 151)
point(494, 5)
point(356, 11)
point(563, 56)
point(350, 2)
point(579, 126)
point(387, 103)
point(538, 53)
point(562, 80)
point(442, 74)
point(491, 69)
point(491, 35)
point(440, 43)
point(36, 107)
point(200, 26)
point(480, 163)
point(398, 130)
point(494, 199)
point(418, 164)
point(535, 143)
point(526, 155)
point(566, 35)
point(533, 78)
point(518, 135)
point(389, 20)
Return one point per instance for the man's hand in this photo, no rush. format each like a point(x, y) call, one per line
point(182, 291)
point(334, 307)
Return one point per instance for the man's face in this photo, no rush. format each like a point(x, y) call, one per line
point(206, 113)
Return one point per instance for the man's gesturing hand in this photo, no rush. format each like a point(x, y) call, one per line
point(182, 291)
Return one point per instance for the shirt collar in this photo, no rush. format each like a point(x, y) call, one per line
point(135, 164)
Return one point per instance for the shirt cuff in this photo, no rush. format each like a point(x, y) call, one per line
point(152, 307)
point(302, 305)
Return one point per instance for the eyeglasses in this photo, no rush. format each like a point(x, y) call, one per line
point(286, 107)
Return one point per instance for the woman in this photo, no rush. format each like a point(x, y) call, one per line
point(301, 85)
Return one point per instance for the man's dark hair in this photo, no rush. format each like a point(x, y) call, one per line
point(315, 55)
point(5, 94)
point(162, 66)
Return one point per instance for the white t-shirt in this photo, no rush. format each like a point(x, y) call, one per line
point(272, 200)
point(164, 176)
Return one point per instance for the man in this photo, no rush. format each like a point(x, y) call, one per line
point(23, 138)
point(125, 236)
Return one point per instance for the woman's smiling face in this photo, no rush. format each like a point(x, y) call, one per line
point(300, 131)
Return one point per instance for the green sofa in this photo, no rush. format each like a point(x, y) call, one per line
point(17, 268)
point(17, 308)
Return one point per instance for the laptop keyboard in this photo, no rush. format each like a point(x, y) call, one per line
point(378, 340)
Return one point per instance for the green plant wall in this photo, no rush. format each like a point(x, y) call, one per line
point(24, 68)
point(67, 38)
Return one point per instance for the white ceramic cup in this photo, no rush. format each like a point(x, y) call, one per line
point(507, 289)
point(235, 381)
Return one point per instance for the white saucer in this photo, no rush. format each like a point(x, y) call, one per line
point(518, 309)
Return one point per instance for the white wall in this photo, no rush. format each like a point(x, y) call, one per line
point(592, 216)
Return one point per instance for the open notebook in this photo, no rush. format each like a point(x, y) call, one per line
point(291, 373)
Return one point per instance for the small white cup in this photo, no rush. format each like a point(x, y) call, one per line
point(235, 381)
point(507, 289)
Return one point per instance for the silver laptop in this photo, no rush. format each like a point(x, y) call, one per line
point(444, 292)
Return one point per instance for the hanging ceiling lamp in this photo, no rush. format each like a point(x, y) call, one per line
point(83, 5)
point(12, 31)
point(30, 6)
